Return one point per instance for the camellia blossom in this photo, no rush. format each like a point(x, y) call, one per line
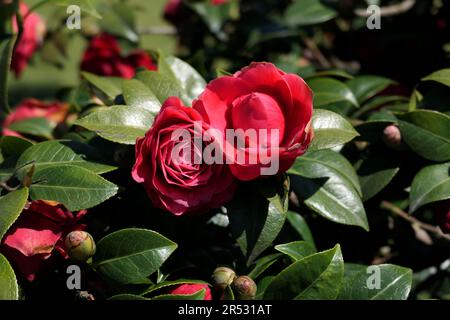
point(37, 234)
point(173, 180)
point(189, 289)
point(259, 98)
point(54, 112)
point(30, 39)
point(103, 57)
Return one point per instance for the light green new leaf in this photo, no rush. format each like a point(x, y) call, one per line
point(441, 76)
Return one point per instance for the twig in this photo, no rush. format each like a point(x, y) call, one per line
point(425, 226)
point(388, 11)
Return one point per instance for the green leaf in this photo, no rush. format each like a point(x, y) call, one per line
point(336, 73)
point(137, 94)
point(361, 283)
point(171, 283)
point(228, 294)
point(262, 287)
point(187, 77)
point(6, 51)
point(308, 12)
point(110, 86)
point(13, 146)
point(377, 102)
point(365, 87)
point(318, 276)
point(431, 184)
point(376, 172)
point(330, 130)
point(127, 296)
point(119, 21)
point(163, 86)
point(128, 255)
point(297, 250)
point(441, 76)
point(77, 188)
point(85, 5)
point(276, 190)
point(263, 264)
point(213, 15)
point(302, 228)
point(122, 124)
point(11, 205)
point(39, 127)
point(427, 133)
point(329, 186)
point(50, 153)
point(9, 290)
point(199, 295)
point(329, 91)
point(254, 223)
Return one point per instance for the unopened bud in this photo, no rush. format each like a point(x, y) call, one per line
point(244, 288)
point(223, 277)
point(392, 137)
point(80, 245)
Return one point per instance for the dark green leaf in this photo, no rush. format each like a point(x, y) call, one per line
point(329, 186)
point(365, 87)
point(128, 255)
point(427, 133)
point(329, 91)
point(308, 12)
point(330, 130)
point(431, 184)
point(297, 250)
point(39, 127)
point(13, 146)
point(263, 264)
point(302, 228)
point(262, 287)
point(318, 276)
point(122, 124)
point(77, 188)
point(11, 205)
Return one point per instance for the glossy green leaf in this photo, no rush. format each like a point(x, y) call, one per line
point(318, 276)
point(431, 184)
point(77, 188)
point(302, 228)
point(297, 250)
point(137, 94)
point(163, 86)
point(427, 133)
point(187, 77)
point(119, 21)
point(308, 12)
point(166, 284)
point(441, 76)
point(50, 153)
point(365, 87)
point(11, 205)
point(39, 127)
point(110, 86)
point(128, 255)
point(330, 130)
point(254, 223)
point(263, 264)
point(329, 186)
point(122, 124)
point(376, 172)
point(380, 282)
point(328, 91)
point(9, 290)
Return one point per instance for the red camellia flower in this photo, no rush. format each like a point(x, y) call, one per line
point(37, 234)
point(54, 112)
point(32, 35)
point(103, 57)
point(188, 289)
point(264, 100)
point(172, 178)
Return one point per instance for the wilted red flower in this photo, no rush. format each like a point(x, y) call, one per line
point(54, 112)
point(103, 57)
point(37, 234)
point(188, 289)
point(32, 35)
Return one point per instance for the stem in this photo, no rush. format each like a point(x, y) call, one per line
point(425, 226)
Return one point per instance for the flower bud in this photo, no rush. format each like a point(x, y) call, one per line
point(80, 245)
point(223, 277)
point(244, 288)
point(392, 137)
